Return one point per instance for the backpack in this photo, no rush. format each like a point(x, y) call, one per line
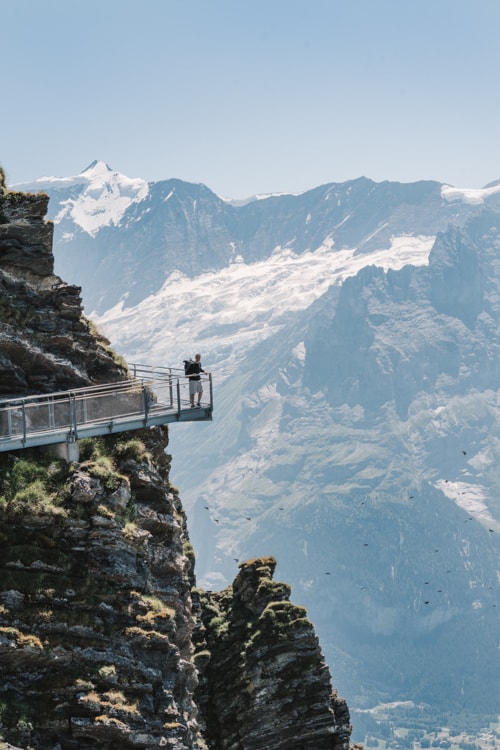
point(188, 366)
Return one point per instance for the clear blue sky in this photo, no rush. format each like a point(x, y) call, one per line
point(252, 96)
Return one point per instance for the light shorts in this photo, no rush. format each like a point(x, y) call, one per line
point(195, 386)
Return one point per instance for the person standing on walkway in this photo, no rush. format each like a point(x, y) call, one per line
point(195, 384)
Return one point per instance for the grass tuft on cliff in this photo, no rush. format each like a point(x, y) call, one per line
point(35, 484)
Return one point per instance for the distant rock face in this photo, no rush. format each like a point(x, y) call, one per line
point(439, 312)
point(457, 286)
point(264, 683)
point(46, 344)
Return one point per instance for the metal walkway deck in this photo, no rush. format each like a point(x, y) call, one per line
point(154, 396)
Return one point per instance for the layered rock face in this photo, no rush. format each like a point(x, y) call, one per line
point(101, 645)
point(46, 344)
point(264, 683)
point(95, 608)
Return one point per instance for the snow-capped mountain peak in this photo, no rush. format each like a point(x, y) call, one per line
point(97, 167)
point(102, 198)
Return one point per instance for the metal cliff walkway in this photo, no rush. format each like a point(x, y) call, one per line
point(154, 396)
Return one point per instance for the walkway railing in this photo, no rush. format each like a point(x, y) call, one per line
point(154, 396)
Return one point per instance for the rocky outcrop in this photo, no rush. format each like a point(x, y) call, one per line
point(95, 605)
point(105, 643)
point(264, 683)
point(46, 343)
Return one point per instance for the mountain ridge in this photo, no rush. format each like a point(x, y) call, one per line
point(190, 224)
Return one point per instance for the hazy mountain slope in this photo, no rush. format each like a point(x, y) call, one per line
point(358, 438)
point(411, 327)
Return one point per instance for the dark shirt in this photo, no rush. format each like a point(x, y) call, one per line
point(194, 371)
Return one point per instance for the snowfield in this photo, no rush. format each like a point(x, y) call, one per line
point(225, 312)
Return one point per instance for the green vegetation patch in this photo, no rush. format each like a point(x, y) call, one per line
point(278, 621)
point(133, 449)
point(35, 485)
point(97, 456)
point(15, 714)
